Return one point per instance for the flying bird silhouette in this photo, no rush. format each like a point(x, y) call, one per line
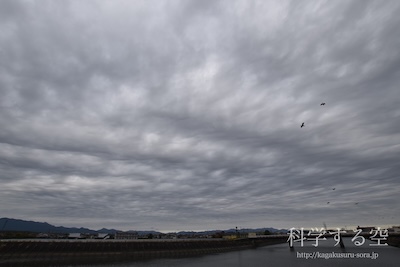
point(323, 104)
point(356, 203)
point(333, 188)
point(328, 202)
point(302, 125)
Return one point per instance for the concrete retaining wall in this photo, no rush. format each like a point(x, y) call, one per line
point(16, 252)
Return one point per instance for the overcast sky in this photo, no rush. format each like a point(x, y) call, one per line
point(185, 115)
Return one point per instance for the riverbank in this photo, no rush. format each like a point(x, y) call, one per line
point(394, 240)
point(48, 252)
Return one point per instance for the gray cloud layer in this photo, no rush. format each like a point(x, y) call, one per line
point(176, 115)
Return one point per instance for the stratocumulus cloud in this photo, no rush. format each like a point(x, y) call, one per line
point(183, 115)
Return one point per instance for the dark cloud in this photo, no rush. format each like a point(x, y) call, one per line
point(175, 115)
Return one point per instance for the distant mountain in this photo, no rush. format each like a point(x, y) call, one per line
point(8, 224)
point(108, 231)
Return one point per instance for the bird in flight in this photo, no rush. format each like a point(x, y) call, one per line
point(356, 203)
point(328, 202)
point(323, 104)
point(302, 125)
point(333, 188)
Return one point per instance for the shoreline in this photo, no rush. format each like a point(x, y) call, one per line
point(45, 252)
point(22, 253)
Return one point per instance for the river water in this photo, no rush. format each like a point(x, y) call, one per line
point(282, 255)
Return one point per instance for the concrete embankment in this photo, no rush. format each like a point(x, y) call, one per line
point(394, 240)
point(42, 252)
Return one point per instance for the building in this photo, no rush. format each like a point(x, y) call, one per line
point(252, 235)
point(102, 236)
point(126, 235)
point(75, 235)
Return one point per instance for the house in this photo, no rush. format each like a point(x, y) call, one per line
point(103, 236)
point(75, 235)
point(126, 235)
point(252, 235)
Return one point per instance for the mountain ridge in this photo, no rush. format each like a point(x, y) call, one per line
point(10, 224)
